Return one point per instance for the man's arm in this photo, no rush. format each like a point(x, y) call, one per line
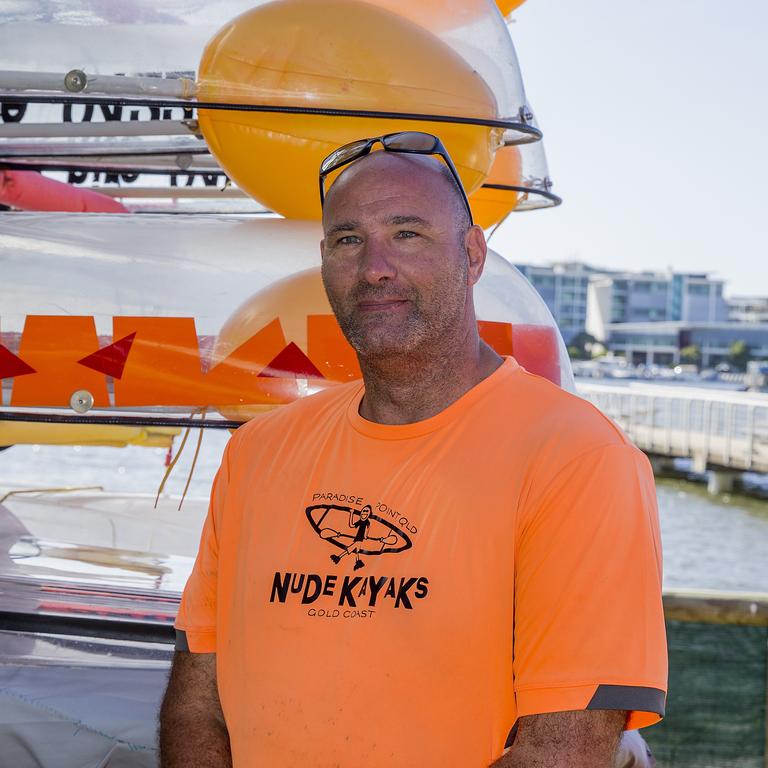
point(585, 739)
point(193, 733)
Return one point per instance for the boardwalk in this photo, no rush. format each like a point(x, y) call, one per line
point(718, 429)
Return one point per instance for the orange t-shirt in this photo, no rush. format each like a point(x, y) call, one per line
point(383, 595)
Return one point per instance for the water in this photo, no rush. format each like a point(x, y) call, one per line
point(712, 542)
point(709, 543)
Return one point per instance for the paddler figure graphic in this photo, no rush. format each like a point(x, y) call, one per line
point(361, 526)
point(349, 530)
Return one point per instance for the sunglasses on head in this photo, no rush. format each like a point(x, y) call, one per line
point(407, 142)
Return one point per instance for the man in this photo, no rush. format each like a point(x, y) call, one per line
point(360, 526)
point(517, 606)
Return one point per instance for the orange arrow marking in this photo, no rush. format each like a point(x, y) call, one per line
point(52, 345)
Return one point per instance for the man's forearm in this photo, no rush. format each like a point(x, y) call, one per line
point(565, 740)
point(193, 743)
point(193, 733)
point(529, 757)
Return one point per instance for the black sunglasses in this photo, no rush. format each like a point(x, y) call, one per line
point(408, 142)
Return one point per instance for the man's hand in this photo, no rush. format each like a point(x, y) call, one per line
point(586, 739)
point(192, 729)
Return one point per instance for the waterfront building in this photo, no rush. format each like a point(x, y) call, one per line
point(563, 286)
point(585, 298)
point(652, 297)
point(748, 309)
point(660, 343)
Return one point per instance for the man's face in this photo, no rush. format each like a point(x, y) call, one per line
point(395, 262)
point(365, 512)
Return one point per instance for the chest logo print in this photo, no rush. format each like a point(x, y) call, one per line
point(348, 534)
point(356, 532)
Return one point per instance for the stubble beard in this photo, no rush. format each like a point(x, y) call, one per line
point(425, 330)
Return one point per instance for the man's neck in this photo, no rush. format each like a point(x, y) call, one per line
point(404, 389)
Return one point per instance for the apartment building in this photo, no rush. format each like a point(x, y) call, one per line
point(660, 343)
point(748, 309)
point(585, 298)
point(563, 286)
point(648, 297)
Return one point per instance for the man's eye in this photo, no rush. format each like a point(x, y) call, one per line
point(407, 234)
point(348, 240)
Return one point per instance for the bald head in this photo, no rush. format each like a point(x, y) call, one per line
point(389, 174)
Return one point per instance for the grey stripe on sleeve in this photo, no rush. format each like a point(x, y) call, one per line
point(181, 640)
point(629, 697)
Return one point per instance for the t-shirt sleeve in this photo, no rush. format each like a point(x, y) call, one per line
point(196, 620)
point(589, 621)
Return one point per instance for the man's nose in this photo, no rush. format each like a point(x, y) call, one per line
point(377, 262)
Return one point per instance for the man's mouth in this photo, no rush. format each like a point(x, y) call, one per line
point(380, 305)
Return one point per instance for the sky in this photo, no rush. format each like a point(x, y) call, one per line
point(655, 118)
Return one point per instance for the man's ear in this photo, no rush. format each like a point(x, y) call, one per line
point(476, 248)
point(322, 249)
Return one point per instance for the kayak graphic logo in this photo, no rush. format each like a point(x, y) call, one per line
point(358, 533)
point(354, 532)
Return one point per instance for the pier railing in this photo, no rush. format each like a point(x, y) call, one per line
point(715, 428)
point(718, 682)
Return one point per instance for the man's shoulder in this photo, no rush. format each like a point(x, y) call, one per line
point(303, 413)
point(572, 449)
point(545, 430)
point(548, 412)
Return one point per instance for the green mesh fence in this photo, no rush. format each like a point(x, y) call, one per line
point(716, 708)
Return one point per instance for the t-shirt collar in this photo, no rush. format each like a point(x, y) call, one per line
point(446, 416)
